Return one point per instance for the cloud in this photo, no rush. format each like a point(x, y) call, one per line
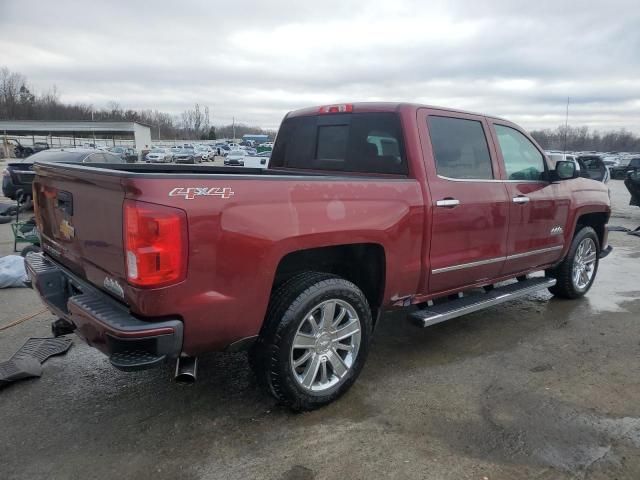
point(256, 60)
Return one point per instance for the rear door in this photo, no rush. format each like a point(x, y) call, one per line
point(538, 208)
point(469, 204)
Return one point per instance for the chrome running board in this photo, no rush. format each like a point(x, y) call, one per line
point(478, 301)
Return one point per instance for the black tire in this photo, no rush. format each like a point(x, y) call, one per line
point(565, 287)
point(270, 357)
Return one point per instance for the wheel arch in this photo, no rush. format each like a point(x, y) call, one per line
point(597, 221)
point(363, 264)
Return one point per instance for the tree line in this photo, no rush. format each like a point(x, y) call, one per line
point(579, 139)
point(18, 101)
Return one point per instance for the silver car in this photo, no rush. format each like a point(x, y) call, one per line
point(159, 155)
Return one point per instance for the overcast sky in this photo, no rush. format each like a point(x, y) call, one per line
point(257, 60)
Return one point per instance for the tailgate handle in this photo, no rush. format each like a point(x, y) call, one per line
point(65, 202)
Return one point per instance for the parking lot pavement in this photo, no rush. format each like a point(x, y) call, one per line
point(539, 388)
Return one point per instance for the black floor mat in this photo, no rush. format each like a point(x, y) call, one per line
point(25, 363)
point(43, 348)
point(13, 370)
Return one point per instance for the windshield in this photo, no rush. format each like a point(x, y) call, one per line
point(157, 150)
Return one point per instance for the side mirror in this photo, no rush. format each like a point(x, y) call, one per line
point(565, 170)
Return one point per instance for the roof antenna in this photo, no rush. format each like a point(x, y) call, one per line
point(566, 127)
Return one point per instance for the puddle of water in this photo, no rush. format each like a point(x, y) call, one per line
point(617, 281)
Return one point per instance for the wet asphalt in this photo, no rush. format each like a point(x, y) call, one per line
point(538, 388)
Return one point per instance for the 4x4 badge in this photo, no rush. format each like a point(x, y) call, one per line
point(190, 193)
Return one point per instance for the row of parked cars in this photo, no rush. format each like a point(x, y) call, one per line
point(621, 164)
point(233, 153)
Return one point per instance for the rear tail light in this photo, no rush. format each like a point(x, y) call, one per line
point(342, 108)
point(155, 244)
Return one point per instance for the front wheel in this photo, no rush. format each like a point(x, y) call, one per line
point(577, 272)
point(314, 342)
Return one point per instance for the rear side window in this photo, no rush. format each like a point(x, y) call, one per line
point(522, 160)
point(460, 148)
point(357, 142)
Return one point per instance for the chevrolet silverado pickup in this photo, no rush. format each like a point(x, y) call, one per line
point(363, 208)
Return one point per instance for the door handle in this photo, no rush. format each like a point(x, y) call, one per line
point(447, 202)
point(521, 199)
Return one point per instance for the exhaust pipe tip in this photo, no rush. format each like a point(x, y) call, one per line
point(186, 370)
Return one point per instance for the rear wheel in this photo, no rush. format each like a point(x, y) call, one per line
point(577, 272)
point(314, 342)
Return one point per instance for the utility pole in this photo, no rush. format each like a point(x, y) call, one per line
point(566, 126)
point(233, 126)
point(92, 129)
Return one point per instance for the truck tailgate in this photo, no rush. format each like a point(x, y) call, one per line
point(79, 213)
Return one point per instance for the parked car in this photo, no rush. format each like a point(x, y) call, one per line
point(24, 151)
point(18, 176)
point(222, 149)
point(159, 155)
point(260, 160)
point(297, 265)
point(626, 165)
point(611, 160)
point(127, 154)
point(204, 152)
point(187, 155)
point(588, 166)
point(594, 167)
point(235, 157)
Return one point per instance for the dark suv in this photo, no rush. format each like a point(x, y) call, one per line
point(625, 166)
point(18, 176)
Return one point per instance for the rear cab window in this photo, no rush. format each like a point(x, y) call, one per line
point(367, 142)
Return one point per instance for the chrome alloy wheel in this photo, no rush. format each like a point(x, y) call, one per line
point(584, 264)
point(326, 345)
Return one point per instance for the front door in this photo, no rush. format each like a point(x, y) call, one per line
point(469, 205)
point(539, 208)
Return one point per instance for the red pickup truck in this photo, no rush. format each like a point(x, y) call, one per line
point(364, 207)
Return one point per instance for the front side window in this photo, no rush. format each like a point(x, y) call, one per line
point(522, 160)
point(460, 148)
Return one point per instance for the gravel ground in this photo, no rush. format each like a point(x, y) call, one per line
point(538, 388)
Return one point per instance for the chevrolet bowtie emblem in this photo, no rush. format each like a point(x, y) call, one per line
point(67, 230)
